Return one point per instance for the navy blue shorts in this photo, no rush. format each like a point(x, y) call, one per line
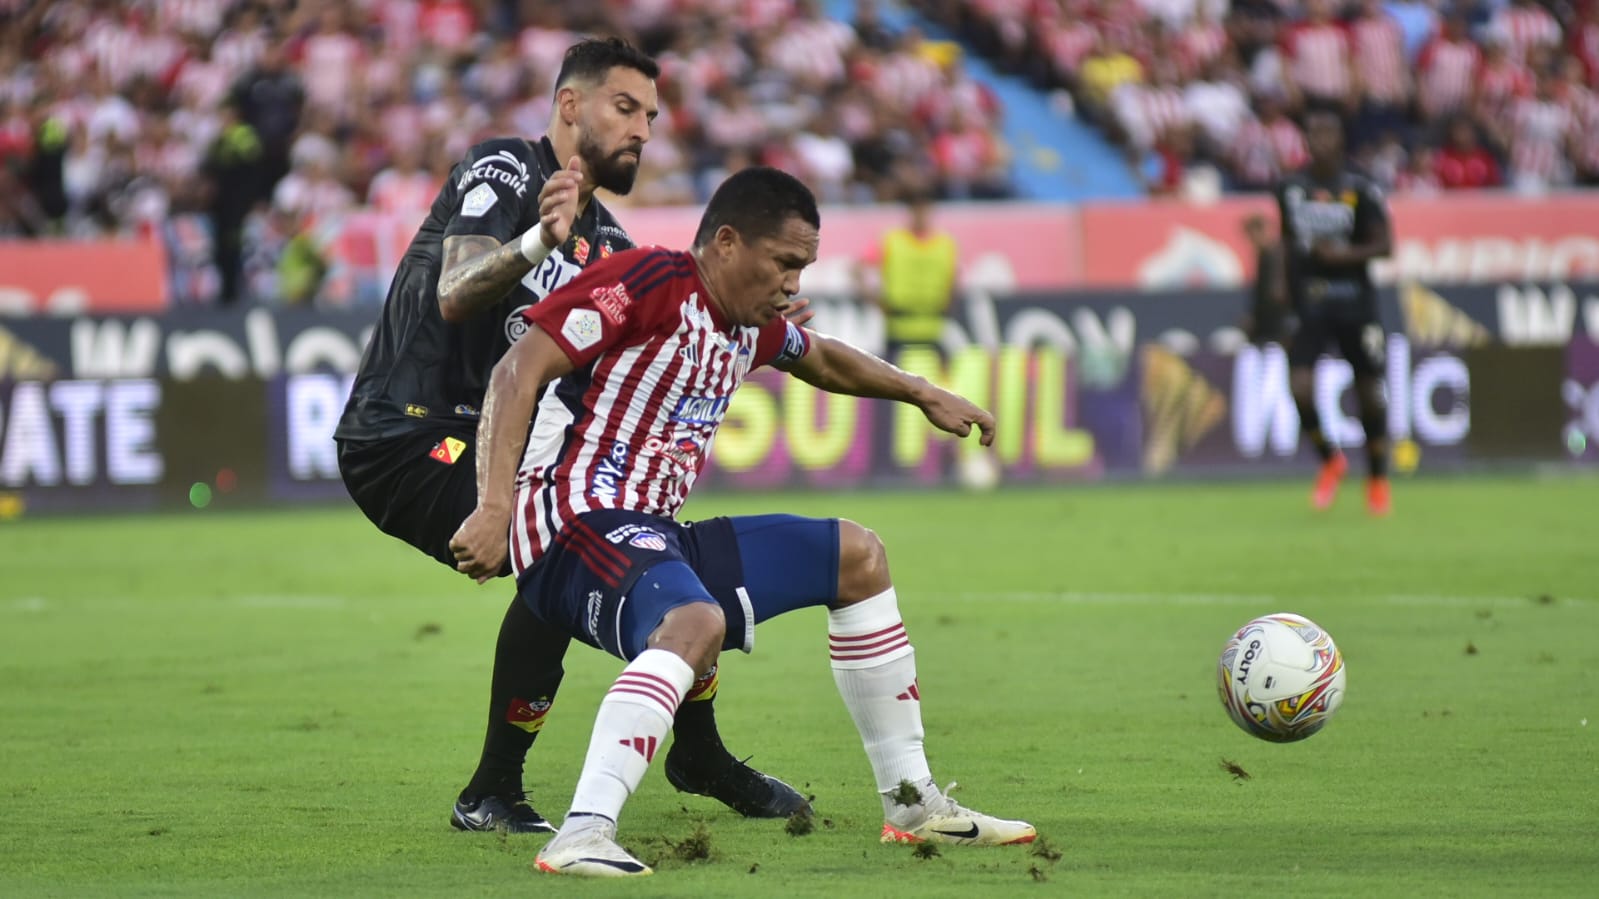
point(755, 567)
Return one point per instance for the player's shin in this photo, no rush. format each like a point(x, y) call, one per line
point(631, 725)
point(874, 667)
point(527, 673)
point(1374, 421)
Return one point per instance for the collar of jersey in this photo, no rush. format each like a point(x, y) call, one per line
point(718, 317)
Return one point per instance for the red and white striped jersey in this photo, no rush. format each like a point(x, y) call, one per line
point(1447, 71)
point(631, 427)
point(1380, 58)
point(1318, 58)
point(1524, 27)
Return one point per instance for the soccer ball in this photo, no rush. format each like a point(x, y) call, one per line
point(1280, 677)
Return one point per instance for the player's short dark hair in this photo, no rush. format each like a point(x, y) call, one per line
point(756, 202)
point(590, 60)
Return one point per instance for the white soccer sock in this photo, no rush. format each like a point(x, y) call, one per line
point(875, 669)
point(632, 723)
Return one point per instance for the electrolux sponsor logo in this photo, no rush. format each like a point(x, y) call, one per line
point(502, 167)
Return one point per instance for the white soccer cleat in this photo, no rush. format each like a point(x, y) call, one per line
point(589, 852)
point(941, 819)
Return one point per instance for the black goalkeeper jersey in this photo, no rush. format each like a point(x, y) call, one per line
point(1345, 210)
point(421, 370)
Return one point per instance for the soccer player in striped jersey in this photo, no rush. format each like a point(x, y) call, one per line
point(515, 219)
point(643, 353)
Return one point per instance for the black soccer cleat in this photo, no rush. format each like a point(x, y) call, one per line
point(734, 784)
point(510, 813)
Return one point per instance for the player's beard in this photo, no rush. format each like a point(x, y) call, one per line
point(615, 172)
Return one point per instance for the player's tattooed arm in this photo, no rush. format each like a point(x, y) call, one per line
point(838, 367)
point(478, 272)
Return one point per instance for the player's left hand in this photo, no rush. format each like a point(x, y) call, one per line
point(957, 415)
point(1329, 252)
point(798, 311)
point(558, 200)
point(480, 544)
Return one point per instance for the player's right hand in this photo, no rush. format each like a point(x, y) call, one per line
point(480, 544)
point(558, 203)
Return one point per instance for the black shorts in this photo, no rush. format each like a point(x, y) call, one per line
point(1355, 331)
point(417, 486)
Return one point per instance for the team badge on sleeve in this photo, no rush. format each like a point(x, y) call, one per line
point(478, 200)
point(582, 328)
point(795, 346)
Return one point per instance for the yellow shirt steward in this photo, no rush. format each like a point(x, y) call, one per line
point(918, 284)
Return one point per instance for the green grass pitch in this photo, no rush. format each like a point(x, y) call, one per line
point(285, 703)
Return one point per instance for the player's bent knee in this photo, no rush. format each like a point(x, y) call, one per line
point(862, 563)
point(693, 631)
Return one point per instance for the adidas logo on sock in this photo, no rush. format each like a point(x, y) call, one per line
point(644, 746)
point(911, 693)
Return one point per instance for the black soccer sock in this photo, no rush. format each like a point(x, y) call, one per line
point(694, 729)
point(1376, 445)
point(1374, 421)
point(527, 672)
point(1310, 423)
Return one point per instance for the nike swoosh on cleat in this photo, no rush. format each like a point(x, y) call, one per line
point(629, 867)
point(969, 834)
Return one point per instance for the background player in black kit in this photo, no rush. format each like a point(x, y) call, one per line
point(1334, 222)
point(510, 225)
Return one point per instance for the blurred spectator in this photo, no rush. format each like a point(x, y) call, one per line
point(1447, 68)
point(1218, 102)
point(1267, 146)
point(1381, 72)
point(1320, 64)
point(1524, 25)
point(1538, 132)
point(1419, 177)
point(404, 188)
point(269, 98)
point(1463, 163)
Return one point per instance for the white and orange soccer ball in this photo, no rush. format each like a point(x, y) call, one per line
point(1281, 677)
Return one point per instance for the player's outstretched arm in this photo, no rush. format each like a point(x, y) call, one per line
point(837, 367)
point(478, 271)
point(480, 543)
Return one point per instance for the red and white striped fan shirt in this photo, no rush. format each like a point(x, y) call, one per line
point(1318, 58)
point(656, 366)
point(1380, 58)
point(1524, 27)
point(1500, 85)
point(1447, 68)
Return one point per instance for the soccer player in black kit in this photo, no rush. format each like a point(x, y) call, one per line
point(515, 220)
point(1334, 222)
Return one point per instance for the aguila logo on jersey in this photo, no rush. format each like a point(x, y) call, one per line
point(503, 167)
point(605, 250)
point(610, 473)
point(612, 301)
point(580, 251)
point(699, 410)
point(516, 323)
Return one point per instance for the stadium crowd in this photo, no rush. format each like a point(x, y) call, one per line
point(1435, 95)
point(238, 129)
